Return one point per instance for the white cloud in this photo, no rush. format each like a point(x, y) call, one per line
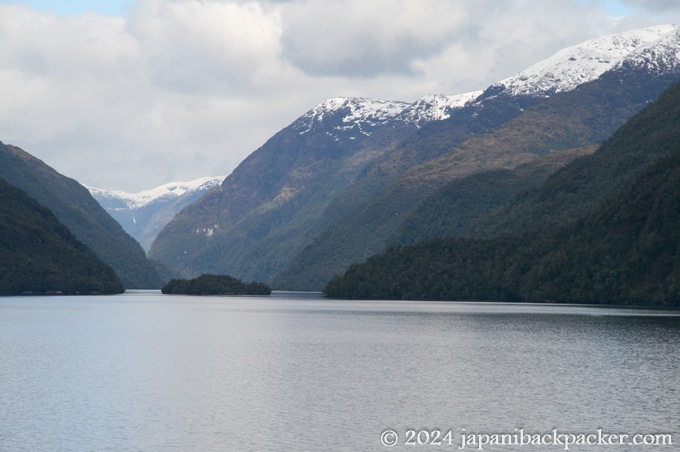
point(211, 47)
point(358, 38)
point(180, 89)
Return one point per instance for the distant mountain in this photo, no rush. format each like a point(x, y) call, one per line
point(145, 213)
point(39, 255)
point(345, 174)
point(73, 206)
point(605, 229)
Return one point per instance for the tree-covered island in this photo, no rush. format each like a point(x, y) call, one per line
point(215, 285)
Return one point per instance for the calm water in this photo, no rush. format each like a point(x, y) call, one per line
point(295, 372)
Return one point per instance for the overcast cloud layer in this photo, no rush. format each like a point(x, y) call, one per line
point(180, 89)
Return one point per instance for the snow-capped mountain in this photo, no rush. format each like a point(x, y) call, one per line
point(351, 163)
point(363, 115)
point(348, 117)
point(575, 65)
point(165, 192)
point(145, 213)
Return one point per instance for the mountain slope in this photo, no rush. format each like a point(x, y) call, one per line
point(570, 192)
point(262, 212)
point(144, 214)
point(38, 255)
point(387, 219)
point(73, 206)
point(456, 208)
point(584, 116)
point(563, 72)
point(622, 250)
point(338, 156)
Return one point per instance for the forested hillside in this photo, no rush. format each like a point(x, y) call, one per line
point(620, 248)
point(73, 206)
point(39, 255)
point(456, 209)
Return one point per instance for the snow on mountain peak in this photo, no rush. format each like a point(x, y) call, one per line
point(165, 191)
point(572, 66)
point(660, 56)
point(363, 113)
point(349, 117)
point(354, 110)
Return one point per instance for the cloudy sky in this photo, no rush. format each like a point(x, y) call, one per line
point(131, 94)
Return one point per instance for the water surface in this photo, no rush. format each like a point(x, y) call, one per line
point(296, 372)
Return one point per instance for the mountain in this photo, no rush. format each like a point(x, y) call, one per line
point(39, 255)
point(252, 224)
point(331, 188)
point(621, 248)
point(73, 206)
point(145, 213)
point(583, 116)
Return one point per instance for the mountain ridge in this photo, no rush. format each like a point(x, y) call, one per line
point(163, 191)
point(314, 172)
point(562, 72)
point(575, 65)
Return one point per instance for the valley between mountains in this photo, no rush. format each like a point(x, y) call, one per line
point(552, 148)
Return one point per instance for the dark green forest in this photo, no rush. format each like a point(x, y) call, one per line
point(39, 255)
point(215, 285)
point(604, 230)
point(74, 207)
